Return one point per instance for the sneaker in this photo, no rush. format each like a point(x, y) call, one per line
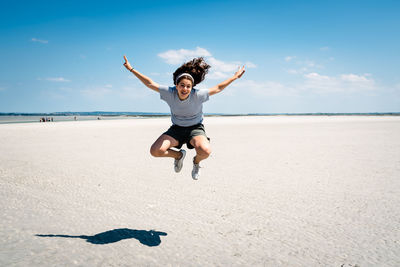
point(178, 164)
point(196, 171)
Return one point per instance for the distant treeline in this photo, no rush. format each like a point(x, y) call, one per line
point(150, 114)
point(92, 113)
point(330, 114)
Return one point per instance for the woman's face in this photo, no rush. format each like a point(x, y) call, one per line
point(184, 87)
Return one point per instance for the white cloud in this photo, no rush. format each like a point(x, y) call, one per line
point(289, 58)
point(310, 64)
point(54, 79)
point(265, 88)
point(325, 48)
point(320, 83)
point(218, 65)
point(298, 71)
point(217, 75)
point(343, 83)
point(175, 57)
point(2, 89)
point(316, 77)
point(219, 69)
point(302, 66)
point(39, 41)
point(250, 65)
point(311, 83)
point(353, 78)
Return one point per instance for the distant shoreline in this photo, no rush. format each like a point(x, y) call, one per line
point(149, 114)
point(11, 118)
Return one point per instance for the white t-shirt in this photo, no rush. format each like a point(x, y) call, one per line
point(186, 112)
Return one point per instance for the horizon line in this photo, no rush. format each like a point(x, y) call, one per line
point(127, 113)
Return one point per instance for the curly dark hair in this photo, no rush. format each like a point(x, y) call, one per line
point(197, 67)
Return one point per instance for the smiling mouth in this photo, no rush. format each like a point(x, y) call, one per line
point(183, 95)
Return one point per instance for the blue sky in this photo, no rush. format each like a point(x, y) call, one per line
point(301, 56)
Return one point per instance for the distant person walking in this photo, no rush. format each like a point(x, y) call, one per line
point(186, 105)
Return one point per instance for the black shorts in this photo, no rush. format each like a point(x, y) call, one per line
point(184, 134)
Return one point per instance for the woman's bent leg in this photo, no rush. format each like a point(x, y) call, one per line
point(202, 146)
point(161, 147)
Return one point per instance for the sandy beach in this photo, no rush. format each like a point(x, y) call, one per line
point(276, 191)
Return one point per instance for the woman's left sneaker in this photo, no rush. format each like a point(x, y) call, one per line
point(178, 163)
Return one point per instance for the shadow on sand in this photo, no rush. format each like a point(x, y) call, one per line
point(149, 238)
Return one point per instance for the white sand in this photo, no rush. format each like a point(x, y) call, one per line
point(277, 191)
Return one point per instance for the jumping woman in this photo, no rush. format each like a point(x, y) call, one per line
point(186, 104)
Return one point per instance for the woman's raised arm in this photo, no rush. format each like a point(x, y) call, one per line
point(143, 78)
point(218, 88)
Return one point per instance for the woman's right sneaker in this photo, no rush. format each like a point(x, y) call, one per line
point(196, 171)
point(178, 163)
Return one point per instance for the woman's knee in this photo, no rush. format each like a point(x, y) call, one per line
point(156, 151)
point(204, 150)
point(161, 145)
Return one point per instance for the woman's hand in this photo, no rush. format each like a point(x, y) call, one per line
point(239, 72)
point(143, 78)
point(127, 65)
point(218, 88)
